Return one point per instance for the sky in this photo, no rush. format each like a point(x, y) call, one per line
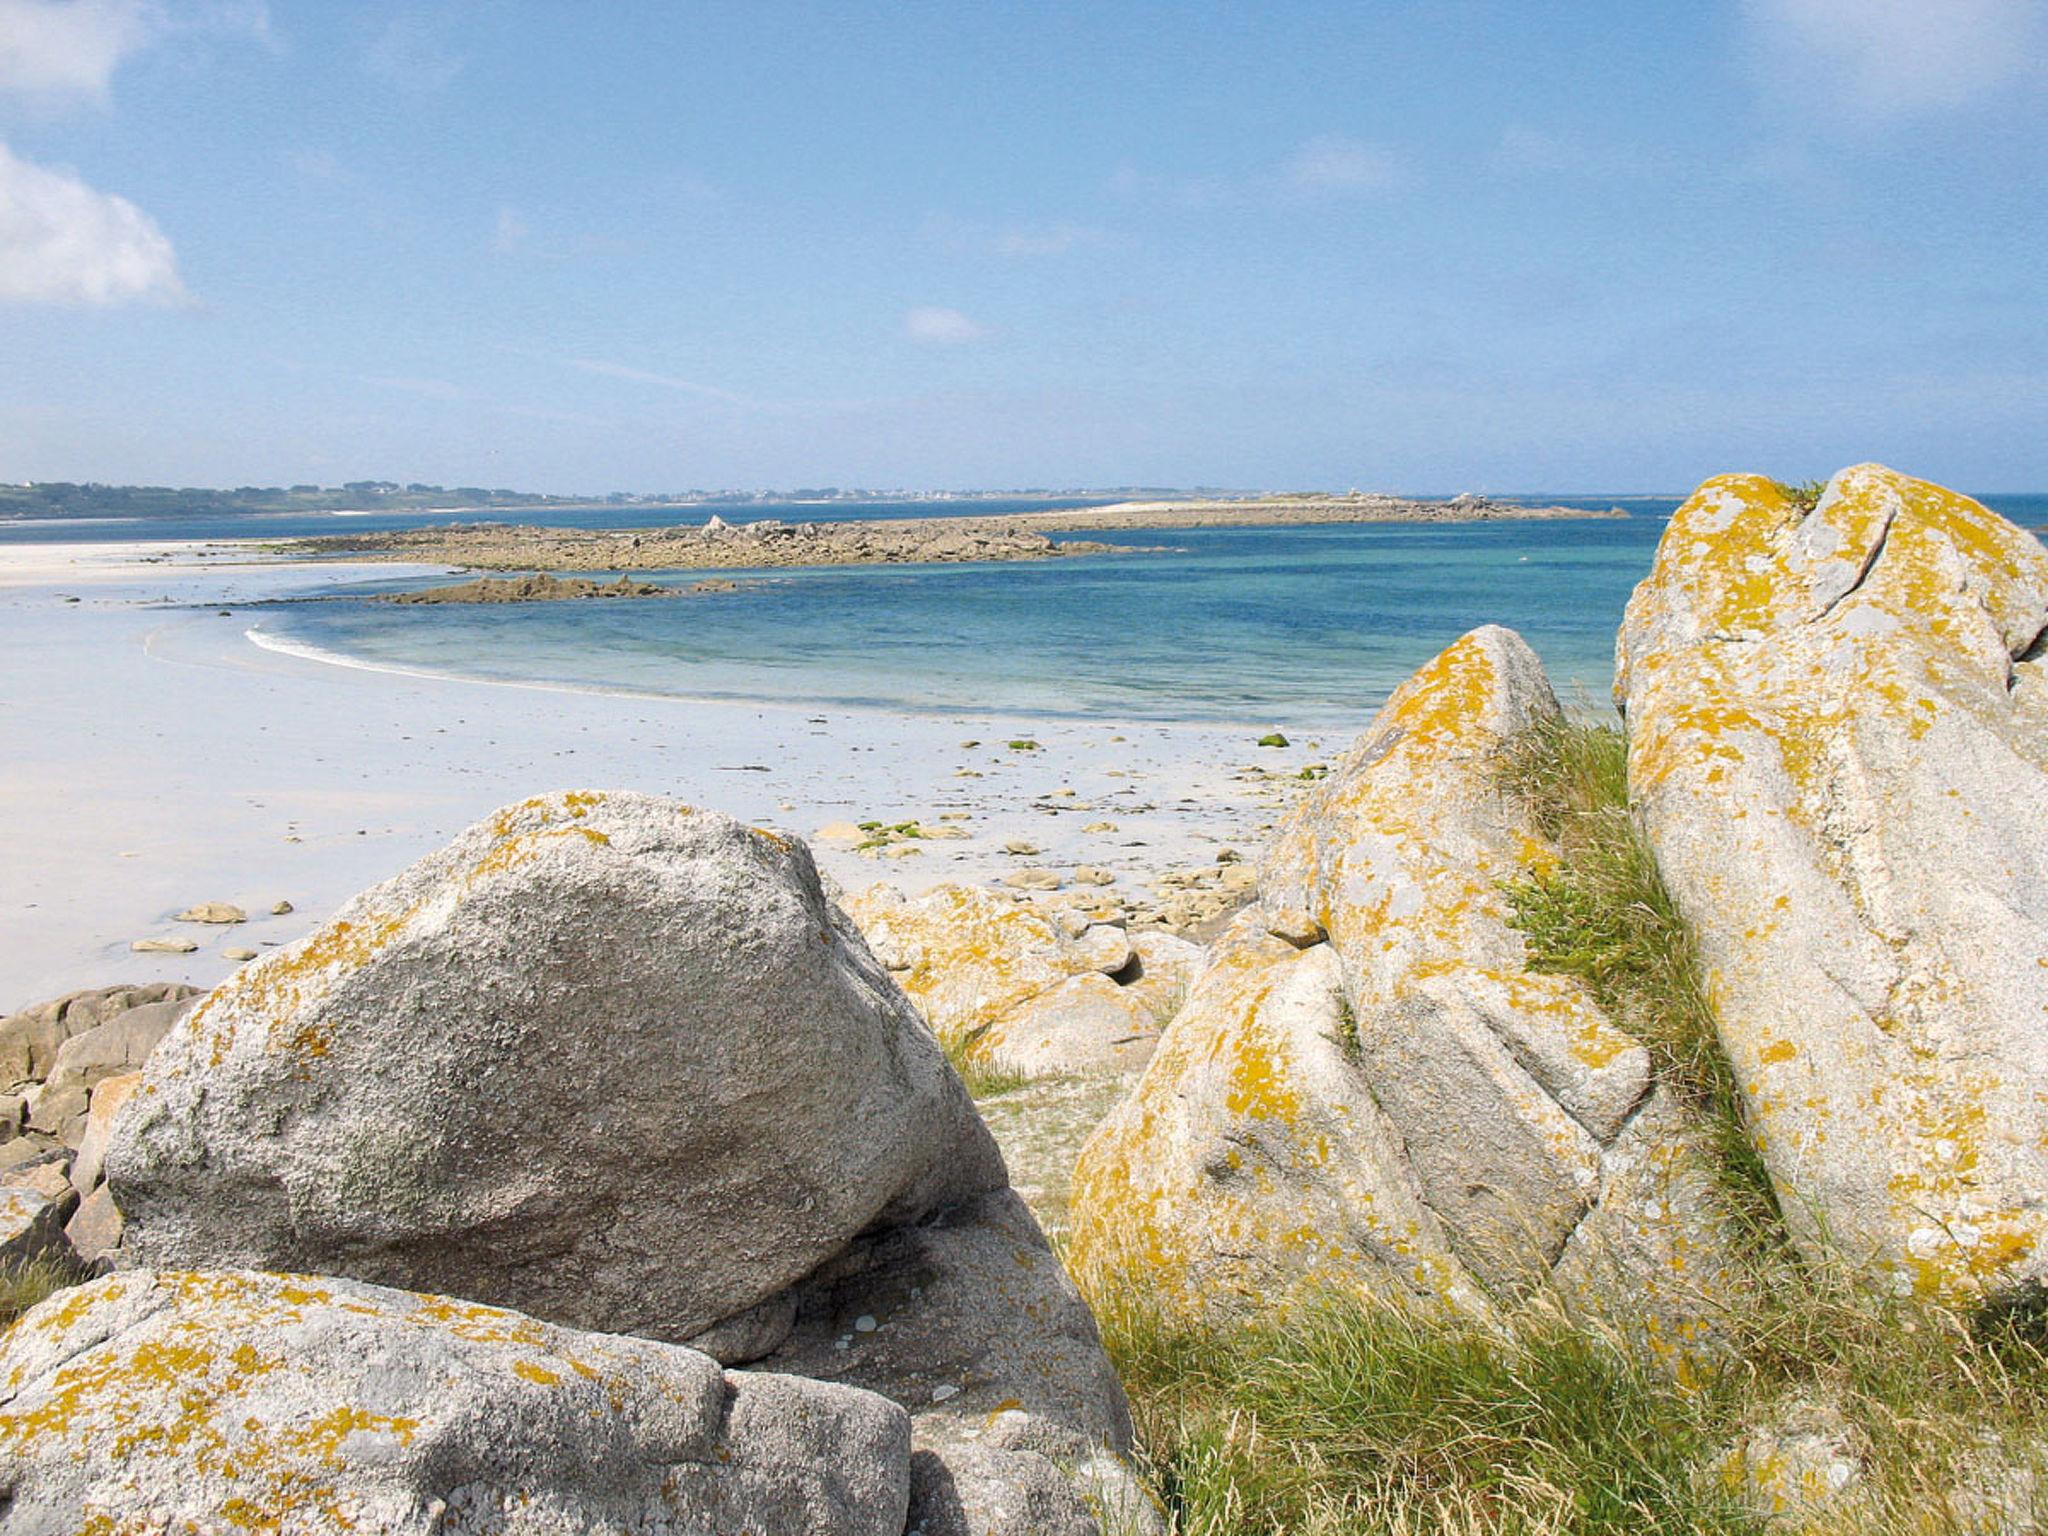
point(1433, 246)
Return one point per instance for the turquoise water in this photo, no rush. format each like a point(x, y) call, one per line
point(1305, 627)
point(1302, 627)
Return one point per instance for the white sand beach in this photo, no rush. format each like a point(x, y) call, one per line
point(153, 756)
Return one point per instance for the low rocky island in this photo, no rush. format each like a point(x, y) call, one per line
point(545, 588)
point(888, 541)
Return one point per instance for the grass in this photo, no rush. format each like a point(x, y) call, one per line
point(1803, 494)
point(986, 1078)
point(1602, 914)
point(1342, 1418)
point(1337, 1416)
point(23, 1285)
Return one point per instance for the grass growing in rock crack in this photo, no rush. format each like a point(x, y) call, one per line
point(1602, 914)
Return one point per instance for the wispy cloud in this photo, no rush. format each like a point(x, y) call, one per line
point(62, 242)
point(610, 370)
point(412, 52)
point(1894, 58)
point(938, 326)
point(511, 232)
point(1333, 165)
point(1020, 241)
point(428, 389)
point(1327, 167)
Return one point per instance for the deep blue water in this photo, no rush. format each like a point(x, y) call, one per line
point(1306, 627)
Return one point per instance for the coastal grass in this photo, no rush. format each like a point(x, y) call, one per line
point(23, 1285)
point(986, 1077)
point(1346, 1417)
point(1603, 914)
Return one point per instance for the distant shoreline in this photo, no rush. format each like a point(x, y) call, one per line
point(933, 540)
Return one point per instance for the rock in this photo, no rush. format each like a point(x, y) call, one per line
point(163, 946)
point(107, 1102)
point(1017, 1420)
point(31, 1224)
point(1033, 878)
point(1839, 749)
point(839, 832)
point(1100, 826)
point(422, 1091)
point(1022, 847)
point(1165, 972)
point(24, 1151)
point(314, 1405)
point(213, 912)
point(280, 908)
point(969, 957)
point(94, 1230)
point(1369, 1089)
point(1802, 1470)
point(1086, 1023)
point(50, 1109)
point(238, 954)
point(46, 1179)
point(1089, 874)
point(116, 1047)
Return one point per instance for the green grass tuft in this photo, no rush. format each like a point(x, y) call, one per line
point(985, 1078)
point(1602, 914)
point(1803, 494)
point(24, 1285)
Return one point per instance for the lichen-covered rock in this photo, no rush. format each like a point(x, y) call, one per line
point(235, 1400)
point(604, 1058)
point(985, 970)
point(1370, 1089)
point(1839, 748)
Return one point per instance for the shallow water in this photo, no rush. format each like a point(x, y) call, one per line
point(1304, 627)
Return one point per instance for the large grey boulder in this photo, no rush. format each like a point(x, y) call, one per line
point(623, 1065)
point(604, 1058)
point(1839, 748)
point(235, 1400)
point(1370, 1089)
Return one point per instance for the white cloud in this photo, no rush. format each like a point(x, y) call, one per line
point(511, 233)
point(609, 370)
point(61, 242)
point(940, 327)
point(1889, 58)
point(67, 48)
point(1337, 165)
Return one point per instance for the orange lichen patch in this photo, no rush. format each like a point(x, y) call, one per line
point(539, 1375)
point(1777, 1051)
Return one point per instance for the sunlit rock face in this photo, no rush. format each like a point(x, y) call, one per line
point(1839, 725)
point(1369, 1089)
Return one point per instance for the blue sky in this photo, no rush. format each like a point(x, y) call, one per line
point(641, 246)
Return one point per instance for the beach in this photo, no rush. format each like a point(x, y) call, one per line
point(157, 757)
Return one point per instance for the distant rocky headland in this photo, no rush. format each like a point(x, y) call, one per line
point(927, 540)
point(543, 588)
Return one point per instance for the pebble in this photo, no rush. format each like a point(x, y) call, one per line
point(163, 946)
point(1033, 878)
point(1088, 874)
point(279, 908)
point(1100, 826)
point(865, 1323)
point(238, 954)
point(1022, 847)
point(940, 1394)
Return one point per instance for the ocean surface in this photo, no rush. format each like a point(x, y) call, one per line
point(1307, 628)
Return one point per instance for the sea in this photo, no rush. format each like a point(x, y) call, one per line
point(1304, 628)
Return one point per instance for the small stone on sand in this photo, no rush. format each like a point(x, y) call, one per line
point(163, 946)
point(213, 912)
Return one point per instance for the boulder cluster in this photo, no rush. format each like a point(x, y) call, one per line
point(590, 1175)
point(1838, 757)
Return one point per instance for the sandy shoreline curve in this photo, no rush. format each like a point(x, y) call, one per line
point(158, 758)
